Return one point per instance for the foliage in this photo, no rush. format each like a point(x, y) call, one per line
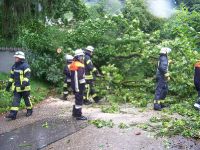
point(183, 24)
point(46, 63)
point(123, 126)
point(137, 9)
point(36, 37)
point(113, 108)
point(17, 13)
point(59, 8)
point(102, 123)
point(45, 125)
point(192, 4)
point(47, 67)
point(188, 125)
point(25, 145)
point(104, 7)
point(127, 47)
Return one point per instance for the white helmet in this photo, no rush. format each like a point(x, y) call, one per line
point(69, 57)
point(19, 54)
point(165, 50)
point(90, 48)
point(79, 52)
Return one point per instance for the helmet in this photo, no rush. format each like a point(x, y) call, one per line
point(165, 50)
point(79, 52)
point(89, 48)
point(19, 54)
point(69, 57)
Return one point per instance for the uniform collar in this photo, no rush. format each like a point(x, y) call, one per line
point(88, 53)
point(20, 62)
point(163, 54)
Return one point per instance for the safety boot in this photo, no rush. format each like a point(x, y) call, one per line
point(81, 118)
point(64, 97)
point(164, 105)
point(157, 107)
point(77, 113)
point(12, 115)
point(87, 102)
point(96, 99)
point(29, 112)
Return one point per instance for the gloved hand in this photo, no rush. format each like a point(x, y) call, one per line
point(98, 75)
point(23, 86)
point(167, 77)
point(170, 61)
point(8, 86)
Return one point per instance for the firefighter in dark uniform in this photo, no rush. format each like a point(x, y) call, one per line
point(20, 82)
point(162, 76)
point(67, 73)
point(197, 83)
point(90, 70)
point(78, 83)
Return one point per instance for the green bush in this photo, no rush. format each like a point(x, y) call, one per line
point(42, 42)
point(137, 9)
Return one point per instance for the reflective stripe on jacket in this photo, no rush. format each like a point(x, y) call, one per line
point(20, 75)
point(89, 67)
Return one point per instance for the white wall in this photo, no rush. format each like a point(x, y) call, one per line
point(6, 61)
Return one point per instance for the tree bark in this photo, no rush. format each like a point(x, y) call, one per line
point(5, 18)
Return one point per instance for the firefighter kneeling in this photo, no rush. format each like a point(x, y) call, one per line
point(78, 83)
point(20, 82)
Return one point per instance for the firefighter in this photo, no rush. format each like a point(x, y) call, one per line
point(78, 83)
point(20, 82)
point(67, 82)
point(162, 76)
point(90, 70)
point(197, 83)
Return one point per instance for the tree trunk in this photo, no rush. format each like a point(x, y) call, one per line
point(5, 18)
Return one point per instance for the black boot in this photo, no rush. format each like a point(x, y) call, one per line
point(96, 99)
point(157, 107)
point(29, 112)
point(164, 105)
point(12, 115)
point(81, 118)
point(87, 102)
point(64, 97)
point(78, 114)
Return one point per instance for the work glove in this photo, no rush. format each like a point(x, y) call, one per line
point(8, 86)
point(98, 75)
point(23, 85)
point(170, 61)
point(167, 77)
